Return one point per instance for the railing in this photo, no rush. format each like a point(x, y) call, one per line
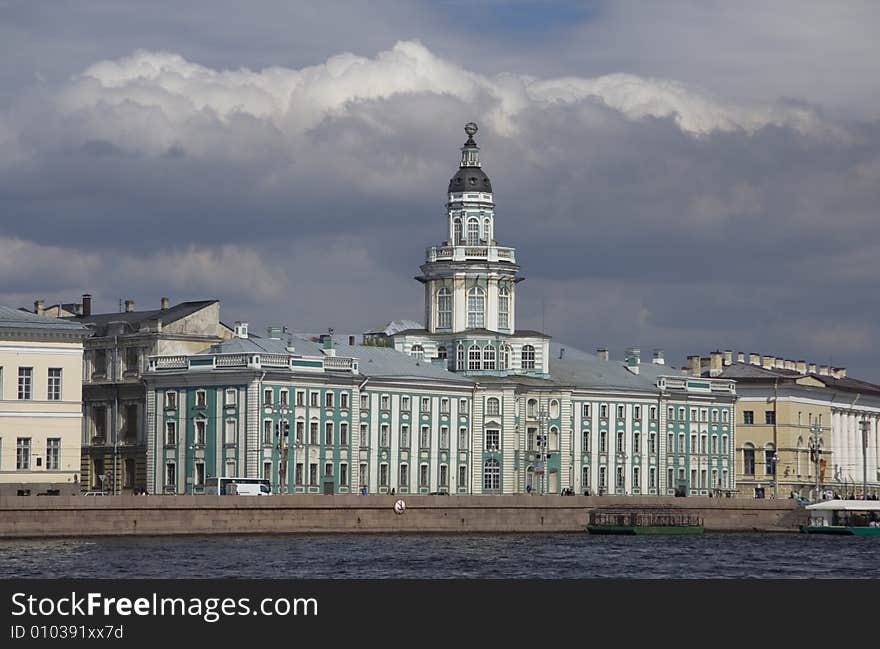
point(274, 360)
point(231, 360)
point(462, 253)
point(169, 362)
point(337, 363)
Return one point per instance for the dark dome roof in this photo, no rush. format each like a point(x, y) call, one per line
point(470, 179)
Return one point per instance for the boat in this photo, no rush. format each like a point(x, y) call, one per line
point(851, 517)
point(636, 520)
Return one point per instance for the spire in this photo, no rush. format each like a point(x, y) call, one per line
point(470, 152)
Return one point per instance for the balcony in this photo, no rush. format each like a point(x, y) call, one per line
point(465, 253)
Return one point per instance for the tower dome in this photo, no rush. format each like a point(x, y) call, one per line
point(470, 176)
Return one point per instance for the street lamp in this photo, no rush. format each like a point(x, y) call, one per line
point(815, 452)
point(543, 416)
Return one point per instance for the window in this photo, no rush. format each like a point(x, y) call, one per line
point(313, 473)
point(313, 432)
point(618, 481)
point(476, 307)
point(703, 478)
point(462, 476)
point(637, 443)
point(652, 443)
point(441, 352)
point(715, 416)
point(621, 412)
point(328, 433)
point(681, 414)
point(328, 468)
point(462, 438)
point(474, 357)
point(636, 478)
point(491, 476)
point(100, 362)
point(703, 443)
point(230, 396)
point(300, 431)
point(504, 358)
point(693, 448)
point(724, 444)
point(681, 443)
point(314, 399)
point(714, 444)
point(770, 460)
point(503, 308)
point(23, 454)
point(364, 475)
point(652, 478)
point(267, 432)
point(328, 399)
point(53, 454)
point(444, 475)
point(365, 436)
point(670, 443)
point(425, 437)
point(365, 402)
point(748, 460)
point(343, 434)
point(620, 445)
point(131, 359)
point(585, 411)
point(693, 414)
point(230, 431)
point(493, 406)
point(444, 405)
point(298, 474)
point(637, 412)
point(170, 433)
point(385, 402)
point(585, 478)
point(201, 399)
point(383, 435)
point(585, 436)
point(343, 474)
point(704, 415)
point(426, 404)
point(267, 470)
point(528, 357)
point(25, 376)
point(725, 416)
point(54, 391)
point(653, 412)
point(230, 468)
point(603, 411)
point(444, 436)
point(404, 476)
point(603, 441)
point(456, 232)
point(603, 477)
point(770, 417)
point(423, 475)
point(444, 309)
point(493, 440)
point(404, 436)
point(748, 416)
point(343, 400)
point(267, 396)
point(200, 432)
point(283, 398)
point(171, 474)
point(417, 352)
point(473, 232)
point(459, 358)
point(488, 357)
point(463, 406)
point(670, 413)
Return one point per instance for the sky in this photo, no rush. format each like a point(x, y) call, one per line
point(688, 176)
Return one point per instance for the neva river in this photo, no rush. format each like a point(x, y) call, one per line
point(432, 556)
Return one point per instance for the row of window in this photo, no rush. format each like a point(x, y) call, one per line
point(26, 383)
point(702, 414)
point(587, 410)
point(703, 475)
point(131, 355)
point(712, 442)
point(749, 416)
point(23, 448)
point(484, 358)
point(476, 308)
point(475, 235)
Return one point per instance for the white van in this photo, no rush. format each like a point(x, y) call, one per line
point(251, 490)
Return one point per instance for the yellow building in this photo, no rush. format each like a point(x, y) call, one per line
point(786, 411)
point(40, 403)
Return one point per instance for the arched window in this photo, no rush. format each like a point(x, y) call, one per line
point(456, 232)
point(486, 230)
point(473, 232)
point(554, 409)
point(554, 438)
point(418, 352)
point(748, 459)
point(532, 408)
point(476, 307)
point(474, 356)
point(459, 357)
point(503, 308)
point(770, 460)
point(441, 352)
point(491, 476)
point(504, 359)
point(800, 448)
point(488, 357)
point(444, 308)
point(493, 406)
point(528, 357)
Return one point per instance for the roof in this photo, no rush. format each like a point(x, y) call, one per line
point(847, 505)
point(520, 333)
point(100, 321)
point(748, 372)
point(13, 318)
point(470, 179)
point(396, 327)
point(586, 370)
point(254, 344)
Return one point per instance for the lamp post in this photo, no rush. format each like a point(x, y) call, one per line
point(543, 415)
point(815, 451)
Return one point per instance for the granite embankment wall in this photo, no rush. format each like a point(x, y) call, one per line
point(146, 515)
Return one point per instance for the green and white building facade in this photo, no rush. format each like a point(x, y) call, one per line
point(466, 405)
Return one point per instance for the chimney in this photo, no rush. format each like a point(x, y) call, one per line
point(165, 303)
point(811, 368)
point(779, 363)
point(740, 357)
point(129, 306)
point(728, 357)
point(801, 367)
point(823, 370)
point(839, 372)
point(351, 341)
point(694, 365)
point(789, 364)
point(241, 329)
point(768, 362)
point(658, 357)
point(290, 347)
point(716, 363)
point(39, 309)
point(754, 359)
point(632, 360)
point(602, 354)
point(327, 339)
point(561, 352)
point(87, 304)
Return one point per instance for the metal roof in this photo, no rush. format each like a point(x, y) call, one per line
point(586, 370)
point(13, 318)
point(100, 321)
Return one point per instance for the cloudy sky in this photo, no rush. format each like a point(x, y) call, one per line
point(678, 175)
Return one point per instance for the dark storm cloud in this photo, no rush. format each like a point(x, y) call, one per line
point(645, 212)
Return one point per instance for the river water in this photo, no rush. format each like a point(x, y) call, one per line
point(432, 556)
